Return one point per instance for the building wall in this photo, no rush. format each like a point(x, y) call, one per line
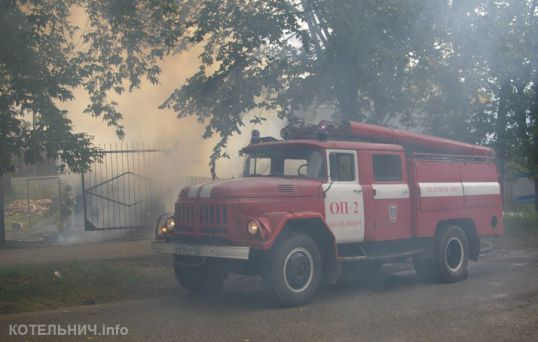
point(519, 191)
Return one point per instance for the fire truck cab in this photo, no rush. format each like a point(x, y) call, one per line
point(333, 198)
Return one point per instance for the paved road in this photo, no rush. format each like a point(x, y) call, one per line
point(498, 302)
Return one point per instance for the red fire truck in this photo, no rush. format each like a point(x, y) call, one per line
point(332, 197)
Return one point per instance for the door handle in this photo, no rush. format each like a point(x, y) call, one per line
point(358, 191)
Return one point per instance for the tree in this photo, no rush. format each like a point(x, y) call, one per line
point(464, 69)
point(461, 69)
point(511, 68)
point(44, 56)
point(490, 97)
point(353, 57)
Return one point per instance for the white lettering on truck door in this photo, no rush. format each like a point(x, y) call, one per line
point(344, 205)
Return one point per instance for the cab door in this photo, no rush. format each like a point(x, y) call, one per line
point(389, 196)
point(344, 205)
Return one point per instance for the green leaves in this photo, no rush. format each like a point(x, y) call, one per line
point(438, 65)
point(349, 57)
point(44, 56)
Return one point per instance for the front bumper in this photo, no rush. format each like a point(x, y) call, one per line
point(182, 248)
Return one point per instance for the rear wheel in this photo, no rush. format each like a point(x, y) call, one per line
point(201, 280)
point(292, 269)
point(451, 256)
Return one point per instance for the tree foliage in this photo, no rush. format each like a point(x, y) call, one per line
point(459, 69)
point(44, 56)
point(353, 58)
point(494, 47)
point(464, 69)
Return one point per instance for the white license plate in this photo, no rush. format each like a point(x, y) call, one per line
point(187, 249)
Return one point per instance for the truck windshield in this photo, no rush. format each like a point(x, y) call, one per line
point(303, 162)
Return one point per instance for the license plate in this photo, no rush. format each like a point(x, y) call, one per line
point(187, 249)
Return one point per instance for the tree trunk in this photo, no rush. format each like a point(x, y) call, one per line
point(520, 111)
point(500, 128)
point(2, 218)
point(349, 104)
point(347, 90)
point(536, 193)
point(534, 142)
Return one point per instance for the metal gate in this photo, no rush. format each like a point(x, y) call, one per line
point(119, 193)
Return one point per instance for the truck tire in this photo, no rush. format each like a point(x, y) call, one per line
point(451, 256)
point(292, 269)
point(206, 279)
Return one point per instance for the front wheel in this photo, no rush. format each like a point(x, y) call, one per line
point(292, 269)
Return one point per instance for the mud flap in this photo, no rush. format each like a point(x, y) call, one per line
point(474, 247)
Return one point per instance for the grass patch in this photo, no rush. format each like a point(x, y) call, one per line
point(520, 228)
point(13, 245)
point(35, 287)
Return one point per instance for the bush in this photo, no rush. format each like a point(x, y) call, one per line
point(523, 218)
point(520, 228)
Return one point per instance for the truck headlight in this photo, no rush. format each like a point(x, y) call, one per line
point(253, 227)
point(170, 223)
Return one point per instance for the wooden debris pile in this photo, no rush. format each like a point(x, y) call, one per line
point(37, 206)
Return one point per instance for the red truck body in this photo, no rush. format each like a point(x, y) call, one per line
point(375, 194)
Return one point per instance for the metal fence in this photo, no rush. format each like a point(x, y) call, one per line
point(127, 190)
point(119, 193)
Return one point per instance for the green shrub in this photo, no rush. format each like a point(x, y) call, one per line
point(523, 218)
point(520, 228)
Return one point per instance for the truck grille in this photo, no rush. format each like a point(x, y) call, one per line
point(213, 213)
point(284, 188)
point(205, 213)
point(185, 212)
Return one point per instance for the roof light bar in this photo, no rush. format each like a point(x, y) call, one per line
point(322, 131)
